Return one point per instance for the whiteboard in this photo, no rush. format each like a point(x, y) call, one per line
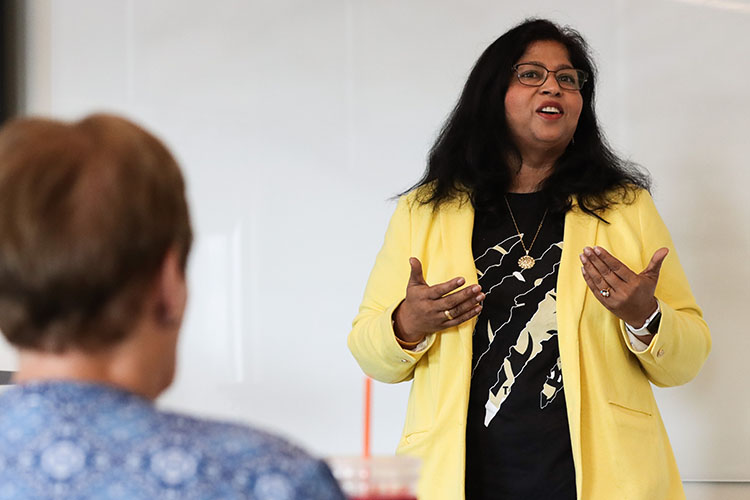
point(295, 121)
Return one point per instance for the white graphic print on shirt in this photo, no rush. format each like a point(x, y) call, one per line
point(552, 386)
point(531, 340)
point(541, 328)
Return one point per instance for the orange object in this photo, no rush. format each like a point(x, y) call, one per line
point(368, 411)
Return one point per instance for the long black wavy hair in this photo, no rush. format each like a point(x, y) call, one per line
point(474, 152)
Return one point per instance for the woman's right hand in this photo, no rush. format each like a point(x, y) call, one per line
point(428, 309)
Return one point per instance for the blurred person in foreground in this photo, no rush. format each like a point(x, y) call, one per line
point(530, 289)
point(94, 240)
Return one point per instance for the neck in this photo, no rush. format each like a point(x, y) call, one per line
point(136, 364)
point(528, 179)
point(536, 166)
point(74, 365)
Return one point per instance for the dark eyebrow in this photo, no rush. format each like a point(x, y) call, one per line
point(562, 66)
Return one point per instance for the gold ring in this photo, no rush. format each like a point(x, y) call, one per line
point(448, 315)
point(605, 292)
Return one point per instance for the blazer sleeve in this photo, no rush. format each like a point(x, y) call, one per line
point(682, 343)
point(372, 340)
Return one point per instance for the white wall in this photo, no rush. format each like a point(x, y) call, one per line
point(707, 490)
point(295, 121)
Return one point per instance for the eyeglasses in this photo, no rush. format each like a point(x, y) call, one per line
point(534, 75)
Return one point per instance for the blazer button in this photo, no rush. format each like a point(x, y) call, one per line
point(660, 353)
point(404, 360)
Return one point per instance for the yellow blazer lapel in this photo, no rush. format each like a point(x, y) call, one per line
point(456, 229)
point(580, 231)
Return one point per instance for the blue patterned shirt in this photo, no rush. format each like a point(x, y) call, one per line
point(76, 440)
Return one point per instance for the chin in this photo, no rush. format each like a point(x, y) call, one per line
point(168, 380)
point(553, 142)
point(163, 383)
point(550, 137)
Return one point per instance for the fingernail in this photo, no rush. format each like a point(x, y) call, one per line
point(476, 288)
point(583, 259)
point(583, 270)
point(597, 250)
point(460, 281)
point(480, 297)
point(587, 250)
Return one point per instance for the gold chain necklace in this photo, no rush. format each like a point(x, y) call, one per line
point(527, 261)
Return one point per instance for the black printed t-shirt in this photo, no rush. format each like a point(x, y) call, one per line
point(517, 437)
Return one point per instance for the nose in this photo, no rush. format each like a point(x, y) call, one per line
point(551, 86)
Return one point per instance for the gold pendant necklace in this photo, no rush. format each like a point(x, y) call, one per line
point(527, 261)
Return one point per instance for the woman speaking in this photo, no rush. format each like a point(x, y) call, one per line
point(530, 290)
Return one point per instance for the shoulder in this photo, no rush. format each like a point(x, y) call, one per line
point(634, 218)
point(631, 202)
point(230, 438)
point(641, 205)
point(275, 467)
point(417, 202)
point(154, 450)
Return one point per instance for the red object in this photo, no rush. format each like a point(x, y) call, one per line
point(368, 410)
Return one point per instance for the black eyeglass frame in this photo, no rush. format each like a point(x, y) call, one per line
point(583, 76)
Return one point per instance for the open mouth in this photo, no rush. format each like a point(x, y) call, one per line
point(550, 110)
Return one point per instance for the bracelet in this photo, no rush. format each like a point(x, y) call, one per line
point(651, 320)
point(408, 345)
point(403, 343)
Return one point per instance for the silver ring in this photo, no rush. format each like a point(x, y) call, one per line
point(604, 292)
point(448, 315)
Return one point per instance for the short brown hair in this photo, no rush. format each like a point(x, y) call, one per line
point(88, 212)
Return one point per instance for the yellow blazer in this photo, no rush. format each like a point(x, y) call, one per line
point(620, 447)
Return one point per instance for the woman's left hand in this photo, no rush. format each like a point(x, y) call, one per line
point(628, 295)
